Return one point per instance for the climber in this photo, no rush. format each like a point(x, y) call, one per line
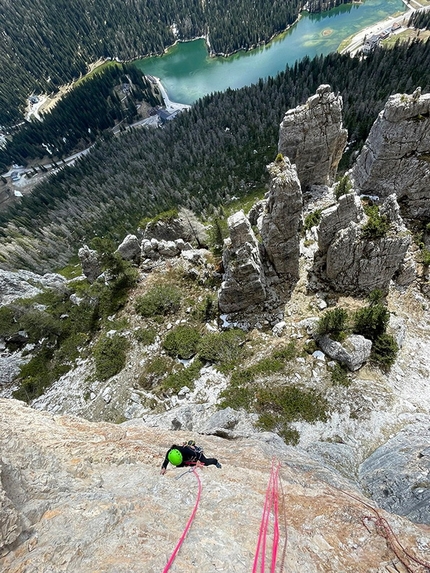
point(187, 455)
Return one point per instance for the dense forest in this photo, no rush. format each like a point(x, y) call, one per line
point(220, 148)
point(420, 20)
point(98, 103)
point(47, 43)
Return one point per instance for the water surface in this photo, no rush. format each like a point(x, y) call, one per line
point(188, 73)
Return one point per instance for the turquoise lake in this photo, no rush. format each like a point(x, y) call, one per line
point(188, 73)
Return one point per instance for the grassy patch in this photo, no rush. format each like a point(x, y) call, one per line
point(145, 336)
point(276, 406)
point(222, 348)
point(161, 300)
point(155, 370)
point(185, 376)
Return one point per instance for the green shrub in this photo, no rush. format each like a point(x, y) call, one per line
point(384, 351)
point(271, 423)
point(343, 187)
point(8, 324)
point(377, 226)
point(159, 301)
point(291, 403)
point(145, 336)
point(222, 348)
point(372, 321)
point(339, 375)
point(218, 231)
point(206, 310)
point(110, 355)
point(312, 220)
point(425, 257)
point(182, 341)
point(333, 323)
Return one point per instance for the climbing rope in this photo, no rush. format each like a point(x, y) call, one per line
point(190, 520)
point(271, 501)
point(384, 529)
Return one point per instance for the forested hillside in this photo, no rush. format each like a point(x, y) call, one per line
point(47, 43)
point(96, 104)
point(218, 149)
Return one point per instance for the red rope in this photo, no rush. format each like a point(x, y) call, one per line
point(187, 527)
point(271, 500)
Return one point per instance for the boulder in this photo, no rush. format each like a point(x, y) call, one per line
point(354, 351)
point(395, 157)
point(313, 138)
point(183, 225)
point(130, 249)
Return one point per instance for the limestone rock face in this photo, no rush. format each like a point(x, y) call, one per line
point(244, 282)
point(25, 284)
point(282, 219)
point(312, 136)
point(397, 474)
point(356, 264)
point(338, 217)
point(129, 249)
point(10, 527)
point(90, 263)
point(353, 352)
point(395, 157)
point(90, 497)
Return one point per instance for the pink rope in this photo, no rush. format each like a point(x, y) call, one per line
point(270, 501)
point(276, 521)
point(187, 527)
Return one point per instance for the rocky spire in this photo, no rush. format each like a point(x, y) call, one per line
point(282, 218)
point(244, 282)
point(395, 157)
point(312, 136)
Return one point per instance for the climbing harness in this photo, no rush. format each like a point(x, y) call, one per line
point(271, 502)
point(190, 520)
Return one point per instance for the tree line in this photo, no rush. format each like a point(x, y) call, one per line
point(420, 19)
point(217, 150)
point(48, 43)
point(94, 105)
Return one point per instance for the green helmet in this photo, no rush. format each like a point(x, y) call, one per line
point(175, 457)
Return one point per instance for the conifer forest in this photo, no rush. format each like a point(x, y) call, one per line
point(217, 150)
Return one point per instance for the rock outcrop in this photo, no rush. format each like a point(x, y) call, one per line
point(183, 225)
point(397, 474)
point(281, 220)
point(313, 138)
point(257, 273)
point(25, 284)
point(244, 283)
point(129, 249)
point(396, 155)
point(354, 261)
point(80, 496)
point(90, 263)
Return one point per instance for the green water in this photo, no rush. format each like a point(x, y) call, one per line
point(188, 73)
